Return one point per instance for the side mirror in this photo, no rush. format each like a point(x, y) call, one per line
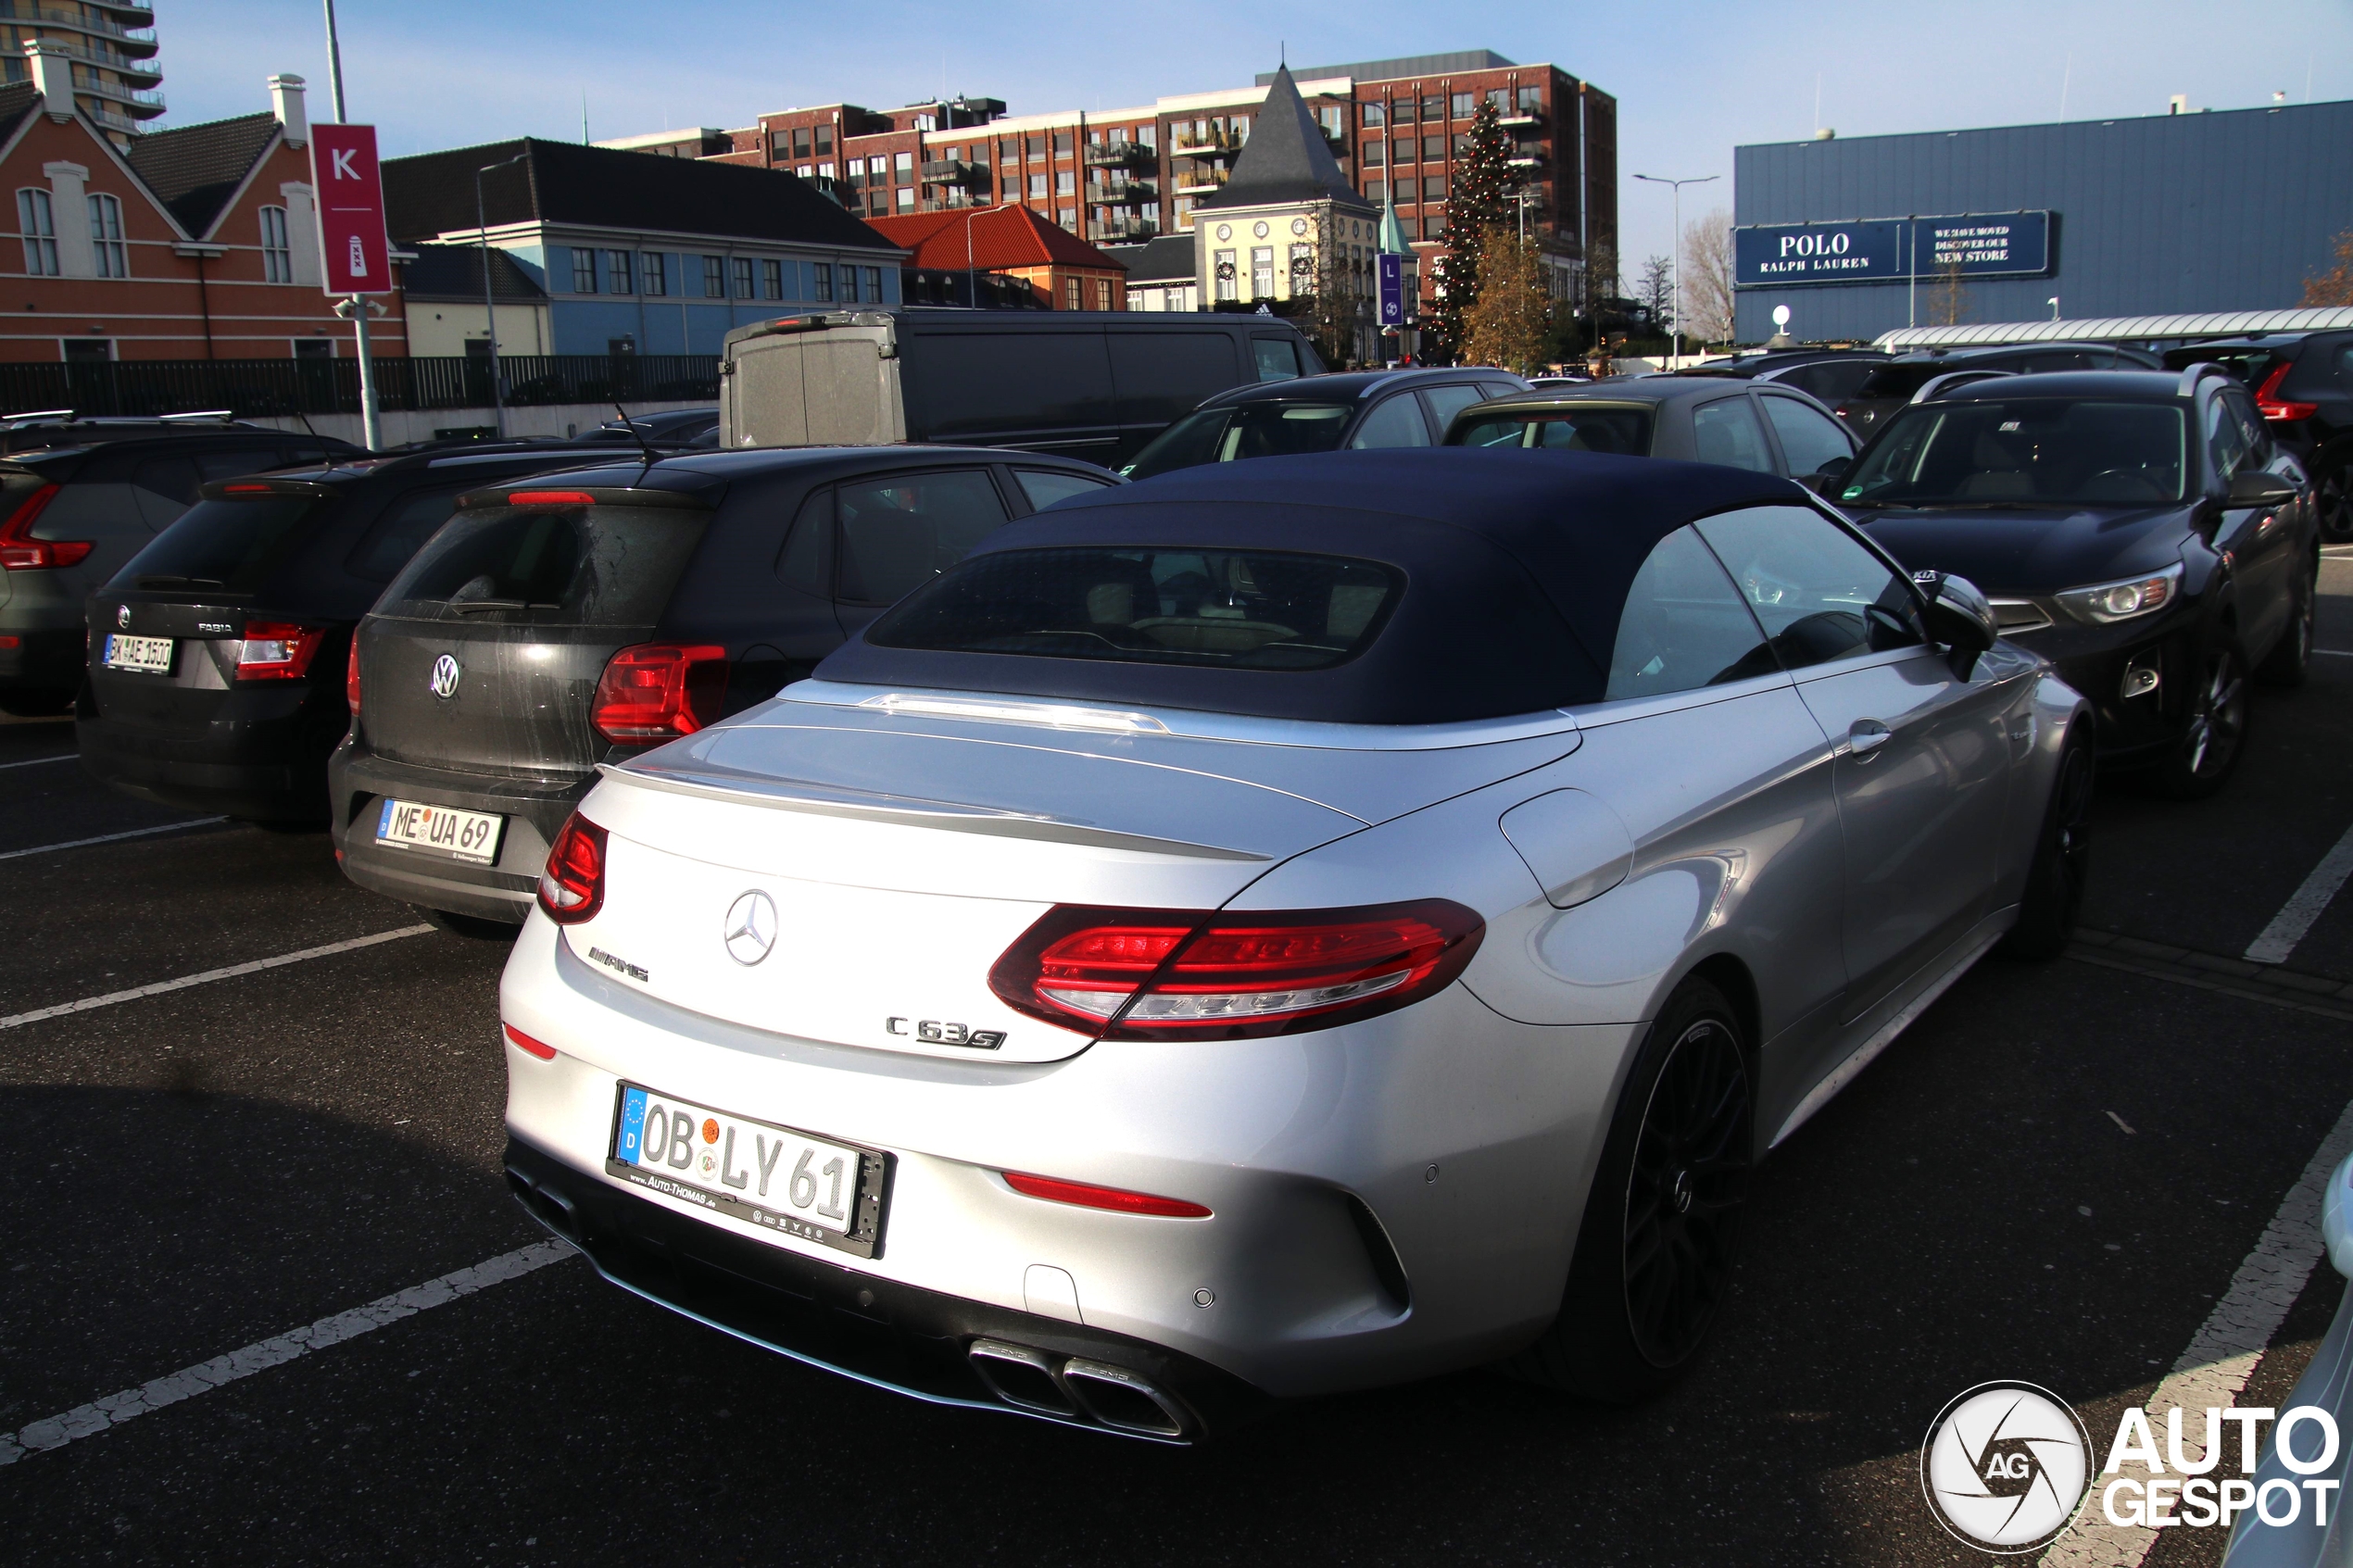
point(1958, 617)
point(1827, 480)
point(2257, 487)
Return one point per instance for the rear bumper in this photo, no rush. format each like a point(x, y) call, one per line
point(262, 758)
point(357, 781)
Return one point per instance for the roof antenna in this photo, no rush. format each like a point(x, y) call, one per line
point(332, 464)
point(639, 436)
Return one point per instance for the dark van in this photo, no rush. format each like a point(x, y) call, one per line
point(1097, 385)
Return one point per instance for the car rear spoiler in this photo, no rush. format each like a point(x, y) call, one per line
point(549, 490)
point(255, 488)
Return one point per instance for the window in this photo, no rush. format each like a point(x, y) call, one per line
point(906, 198)
point(1685, 626)
point(824, 140)
point(1045, 486)
point(1434, 226)
point(849, 284)
point(1531, 99)
point(277, 254)
point(1372, 115)
point(1262, 271)
point(617, 271)
point(899, 533)
point(1810, 441)
point(772, 279)
point(1580, 427)
point(1375, 154)
point(2055, 450)
point(1102, 294)
point(1065, 182)
point(714, 277)
point(742, 269)
point(2225, 439)
point(584, 271)
point(105, 236)
point(1405, 149)
point(1037, 148)
point(821, 279)
point(1070, 294)
point(1223, 268)
point(653, 271)
point(857, 171)
point(1395, 421)
point(1433, 149)
point(1038, 187)
point(1068, 219)
point(903, 165)
point(1434, 110)
point(400, 532)
point(873, 286)
point(800, 141)
point(1433, 187)
point(1401, 112)
point(1820, 595)
point(1463, 105)
point(1725, 432)
point(1277, 358)
point(36, 222)
point(1501, 97)
point(1447, 401)
point(1061, 144)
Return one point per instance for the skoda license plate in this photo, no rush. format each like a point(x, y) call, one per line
point(150, 655)
point(465, 835)
point(773, 1176)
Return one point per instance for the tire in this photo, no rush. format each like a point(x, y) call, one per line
point(2062, 855)
point(1654, 1258)
point(2287, 664)
point(2214, 734)
point(472, 927)
point(2332, 498)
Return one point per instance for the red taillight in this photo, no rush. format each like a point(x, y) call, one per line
point(550, 498)
point(659, 691)
point(351, 674)
point(2267, 400)
point(19, 551)
point(572, 888)
point(1177, 974)
point(522, 1041)
point(245, 490)
point(1088, 1195)
point(278, 650)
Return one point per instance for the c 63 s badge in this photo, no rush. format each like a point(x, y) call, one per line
point(933, 1032)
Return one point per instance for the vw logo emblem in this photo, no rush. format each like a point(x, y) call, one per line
point(123, 616)
point(751, 930)
point(445, 676)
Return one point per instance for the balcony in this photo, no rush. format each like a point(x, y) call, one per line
point(1123, 230)
point(1522, 120)
point(91, 20)
point(1131, 192)
point(1213, 146)
point(1122, 154)
point(954, 171)
point(1200, 182)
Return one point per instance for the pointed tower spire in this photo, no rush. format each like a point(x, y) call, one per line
point(1393, 229)
point(1286, 158)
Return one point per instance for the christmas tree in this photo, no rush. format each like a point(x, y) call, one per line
point(1478, 200)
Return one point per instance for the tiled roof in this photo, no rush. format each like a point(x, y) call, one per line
point(16, 101)
point(455, 273)
point(999, 237)
point(566, 182)
point(1168, 259)
point(193, 170)
point(1286, 160)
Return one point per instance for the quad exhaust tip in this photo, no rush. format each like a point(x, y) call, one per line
point(1076, 1389)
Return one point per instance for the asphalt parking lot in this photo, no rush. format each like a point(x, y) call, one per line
point(2053, 1176)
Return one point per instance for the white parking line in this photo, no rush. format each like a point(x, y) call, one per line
point(2222, 1356)
point(110, 838)
point(88, 1421)
point(255, 967)
point(2304, 906)
point(36, 762)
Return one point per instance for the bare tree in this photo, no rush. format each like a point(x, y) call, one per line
point(1708, 277)
point(1948, 299)
point(1656, 291)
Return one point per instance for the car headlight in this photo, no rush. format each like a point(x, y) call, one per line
point(2105, 602)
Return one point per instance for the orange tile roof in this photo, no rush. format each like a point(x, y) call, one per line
point(997, 236)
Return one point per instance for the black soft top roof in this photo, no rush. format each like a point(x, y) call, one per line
point(1516, 564)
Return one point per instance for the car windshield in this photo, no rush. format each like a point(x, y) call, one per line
point(2025, 452)
point(1602, 428)
point(1222, 608)
point(1278, 429)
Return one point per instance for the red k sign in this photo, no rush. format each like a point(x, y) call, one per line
point(351, 209)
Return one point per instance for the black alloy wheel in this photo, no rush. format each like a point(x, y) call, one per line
point(2062, 863)
point(1683, 1195)
point(2332, 498)
point(2215, 728)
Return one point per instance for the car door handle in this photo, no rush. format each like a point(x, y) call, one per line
point(1867, 736)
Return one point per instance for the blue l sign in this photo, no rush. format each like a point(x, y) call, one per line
point(1392, 291)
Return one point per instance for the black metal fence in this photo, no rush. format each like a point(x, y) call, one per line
point(332, 386)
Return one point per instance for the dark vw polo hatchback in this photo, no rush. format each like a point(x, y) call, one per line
point(2139, 529)
point(216, 655)
point(555, 624)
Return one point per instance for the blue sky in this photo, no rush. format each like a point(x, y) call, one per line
point(1691, 79)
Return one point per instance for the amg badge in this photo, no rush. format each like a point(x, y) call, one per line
point(620, 966)
point(933, 1032)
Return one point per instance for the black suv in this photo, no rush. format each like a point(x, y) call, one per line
point(1347, 410)
point(217, 655)
point(1892, 384)
point(72, 516)
point(1829, 375)
point(2139, 529)
point(558, 623)
point(2303, 386)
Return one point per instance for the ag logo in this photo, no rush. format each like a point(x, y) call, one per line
point(751, 930)
point(123, 616)
point(2005, 1465)
point(445, 676)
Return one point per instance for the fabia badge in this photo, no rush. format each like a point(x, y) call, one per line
point(123, 616)
point(751, 930)
point(445, 676)
point(2005, 1465)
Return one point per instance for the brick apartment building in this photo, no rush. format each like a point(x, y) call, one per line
point(195, 242)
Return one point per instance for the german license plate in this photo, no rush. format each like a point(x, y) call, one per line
point(773, 1176)
point(465, 835)
point(150, 655)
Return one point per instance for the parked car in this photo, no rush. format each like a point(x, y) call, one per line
point(1349, 410)
point(2303, 386)
point(216, 654)
point(64, 427)
point(1829, 375)
point(2140, 530)
point(1283, 928)
point(75, 514)
point(1763, 426)
point(1097, 385)
point(1894, 384)
point(556, 625)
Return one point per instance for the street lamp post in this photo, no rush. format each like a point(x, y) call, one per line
point(356, 307)
point(489, 306)
point(1675, 355)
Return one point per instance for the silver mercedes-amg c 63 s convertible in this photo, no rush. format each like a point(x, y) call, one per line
point(1283, 927)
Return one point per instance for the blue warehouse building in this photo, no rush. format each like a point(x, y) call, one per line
point(2220, 210)
point(639, 254)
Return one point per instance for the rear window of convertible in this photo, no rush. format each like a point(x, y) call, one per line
point(1230, 609)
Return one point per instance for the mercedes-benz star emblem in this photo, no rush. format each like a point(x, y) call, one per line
point(445, 676)
point(751, 930)
point(123, 616)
